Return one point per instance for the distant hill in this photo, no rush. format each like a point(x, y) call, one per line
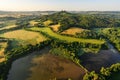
point(85, 21)
point(27, 12)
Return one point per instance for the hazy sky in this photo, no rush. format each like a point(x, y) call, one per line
point(79, 5)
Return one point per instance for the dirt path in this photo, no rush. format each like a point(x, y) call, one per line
point(44, 67)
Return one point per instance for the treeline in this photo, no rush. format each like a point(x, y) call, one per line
point(7, 18)
point(23, 21)
point(2, 39)
point(11, 29)
point(86, 21)
point(77, 47)
point(105, 73)
point(17, 53)
point(89, 34)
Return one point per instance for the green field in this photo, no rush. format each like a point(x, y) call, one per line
point(66, 38)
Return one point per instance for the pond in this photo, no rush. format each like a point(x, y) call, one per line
point(104, 58)
point(44, 66)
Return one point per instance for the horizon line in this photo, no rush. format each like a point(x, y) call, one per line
point(60, 10)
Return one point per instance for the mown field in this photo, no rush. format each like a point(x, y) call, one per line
point(66, 38)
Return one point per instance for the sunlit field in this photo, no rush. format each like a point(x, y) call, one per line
point(72, 31)
point(33, 22)
point(25, 36)
point(55, 27)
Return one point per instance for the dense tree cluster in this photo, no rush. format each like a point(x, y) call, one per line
point(93, 76)
point(113, 34)
point(107, 72)
point(88, 34)
point(7, 18)
point(86, 21)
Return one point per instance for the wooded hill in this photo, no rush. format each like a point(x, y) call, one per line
point(86, 21)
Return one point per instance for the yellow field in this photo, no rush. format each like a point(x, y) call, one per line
point(33, 22)
point(8, 27)
point(3, 46)
point(46, 23)
point(25, 36)
point(72, 31)
point(55, 28)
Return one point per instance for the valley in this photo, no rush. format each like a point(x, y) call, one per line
point(59, 46)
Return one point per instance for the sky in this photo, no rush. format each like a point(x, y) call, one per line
point(58, 5)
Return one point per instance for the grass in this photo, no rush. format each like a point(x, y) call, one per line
point(66, 38)
point(24, 37)
point(73, 31)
